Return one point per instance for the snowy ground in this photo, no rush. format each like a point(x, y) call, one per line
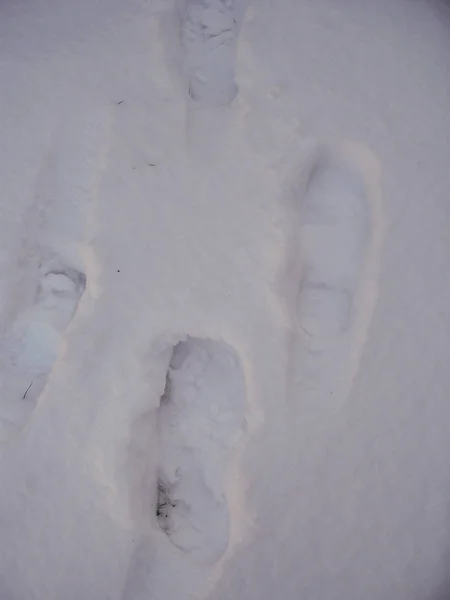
point(223, 300)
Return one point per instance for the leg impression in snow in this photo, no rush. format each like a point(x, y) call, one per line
point(338, 245)
point(209, 33)
point(201, 420)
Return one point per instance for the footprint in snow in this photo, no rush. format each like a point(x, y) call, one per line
point(209, 33)
point(65, 195)
point(201, 420)
point(337, 249)
point(35, 340)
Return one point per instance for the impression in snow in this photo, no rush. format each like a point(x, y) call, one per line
point(36, 340)
point(201, 419)
point(64, 197)
point(335, 223)
point(335, 261)
point(209, 33)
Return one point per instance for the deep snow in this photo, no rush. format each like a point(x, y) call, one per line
point(223, 300)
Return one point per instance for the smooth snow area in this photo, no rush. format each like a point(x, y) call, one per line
point(224, 300)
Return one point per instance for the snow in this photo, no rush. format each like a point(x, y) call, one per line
point(223, 300)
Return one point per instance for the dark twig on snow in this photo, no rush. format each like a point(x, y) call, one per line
point(27, 390)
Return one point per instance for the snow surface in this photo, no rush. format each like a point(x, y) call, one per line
point(224, 300)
